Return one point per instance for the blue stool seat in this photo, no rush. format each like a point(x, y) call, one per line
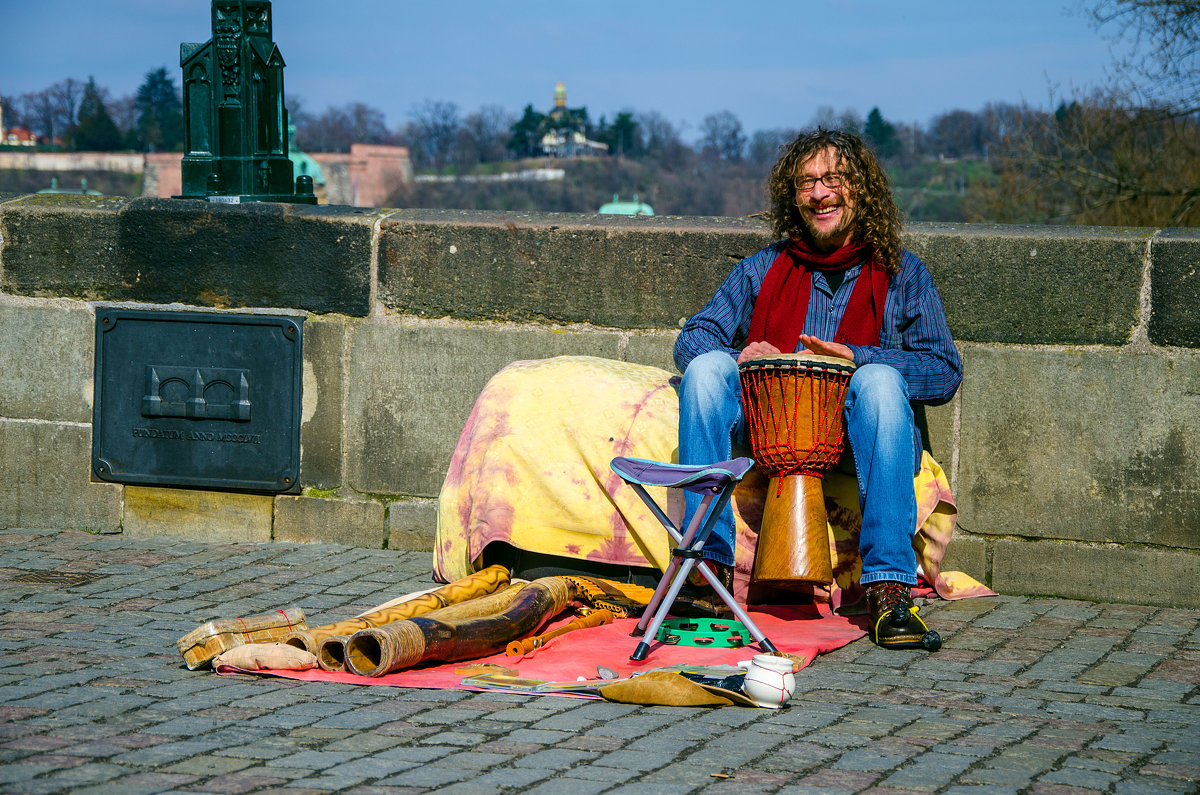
point(681, 476)
point(714, 481)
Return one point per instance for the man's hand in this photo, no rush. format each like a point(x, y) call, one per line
point(757, 349)
point(823, 348)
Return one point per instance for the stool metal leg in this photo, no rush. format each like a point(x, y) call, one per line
point(672, 571)
point(742, 615)
point(676, 574)
point(643, 648)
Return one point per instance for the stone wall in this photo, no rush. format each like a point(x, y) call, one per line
point(123, 162)
point(1072, 446)
point(367, 176)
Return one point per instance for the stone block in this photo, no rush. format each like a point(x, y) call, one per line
point(46, 362)
point(313, 520)
point(210, 516)
point(653, 349)
point(321, 405)
point(1030, 284)
point(1174, 285)
point(968, 554)
point(1090, 446)
point(45, 470)
point(171, 250)
point(1097, 572)
point(412, 387)
point(558, 267)
point(938, 431)
point(411, 525)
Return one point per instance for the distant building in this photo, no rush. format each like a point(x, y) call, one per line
point(19, 136)
point(304, 165)
point(561, 143)
point(16, 136)
point(82, 190)
point(618, 207)
point(365, 177)
point(566, 130)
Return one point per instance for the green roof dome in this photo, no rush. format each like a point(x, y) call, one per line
point(618, 207)
point(302, 164)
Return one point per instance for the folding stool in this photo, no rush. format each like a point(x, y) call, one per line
point(714, 482)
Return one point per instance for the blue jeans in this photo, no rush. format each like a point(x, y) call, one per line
point(880, 430)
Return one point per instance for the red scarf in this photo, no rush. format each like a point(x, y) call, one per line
point(782, 303)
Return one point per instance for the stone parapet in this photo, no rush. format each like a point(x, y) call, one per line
point(1086, 445)
point(161, 251)
point(44, 479)
point(556, 267)
point(1036, 285)
point(210, 515)
point(1174, 319)
point(330, 521)
point(1071, 446)
point(57, 338)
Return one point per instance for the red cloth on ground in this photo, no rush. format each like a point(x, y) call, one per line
point(801, 630)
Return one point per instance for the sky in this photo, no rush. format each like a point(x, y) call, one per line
point(773, 63)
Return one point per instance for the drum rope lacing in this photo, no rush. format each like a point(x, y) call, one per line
point(775, 423)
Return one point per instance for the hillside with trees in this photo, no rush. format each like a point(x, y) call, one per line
point(1124, 153)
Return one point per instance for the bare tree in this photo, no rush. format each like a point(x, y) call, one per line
point(1164, 65)
point(849, 119)
point(11, 111)
point(432, 133)
point(297, 114)
point(958, 133)
point(368, 125)
point(124, 113)
point(67, 94)
point(1098, 160)
point(765, 145)
point(664, 140)
point(721, 135)
point(1127, 153)
point(40, 112)
point(482, 136)
point(337, 129)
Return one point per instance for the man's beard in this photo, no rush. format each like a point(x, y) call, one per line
point(818, 236)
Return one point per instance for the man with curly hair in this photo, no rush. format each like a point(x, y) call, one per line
point(838, 284)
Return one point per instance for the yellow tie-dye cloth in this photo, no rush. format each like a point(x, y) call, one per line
point(531, 469)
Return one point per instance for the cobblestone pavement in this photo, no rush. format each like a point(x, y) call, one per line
point(1028, 695)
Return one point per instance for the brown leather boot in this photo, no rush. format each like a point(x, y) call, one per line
point(724, 573)
point(894, 620)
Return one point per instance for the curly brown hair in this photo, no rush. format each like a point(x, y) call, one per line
point(876, 219)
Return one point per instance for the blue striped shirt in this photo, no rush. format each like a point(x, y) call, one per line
point(914, 339)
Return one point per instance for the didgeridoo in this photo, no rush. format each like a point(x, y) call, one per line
point(470, 587)
point(332, 654)
point(597, 618)
point(402, 644)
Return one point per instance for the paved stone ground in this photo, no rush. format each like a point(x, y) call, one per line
point(1028, 695)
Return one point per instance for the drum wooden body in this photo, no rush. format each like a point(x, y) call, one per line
point(793, 408)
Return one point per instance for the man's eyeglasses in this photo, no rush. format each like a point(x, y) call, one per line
point(832, 180)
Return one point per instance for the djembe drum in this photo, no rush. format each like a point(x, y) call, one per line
point(793, 408)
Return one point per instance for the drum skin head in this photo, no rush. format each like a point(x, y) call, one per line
point(798, 360)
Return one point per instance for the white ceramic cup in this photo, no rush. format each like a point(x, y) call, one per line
point(769, 680)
